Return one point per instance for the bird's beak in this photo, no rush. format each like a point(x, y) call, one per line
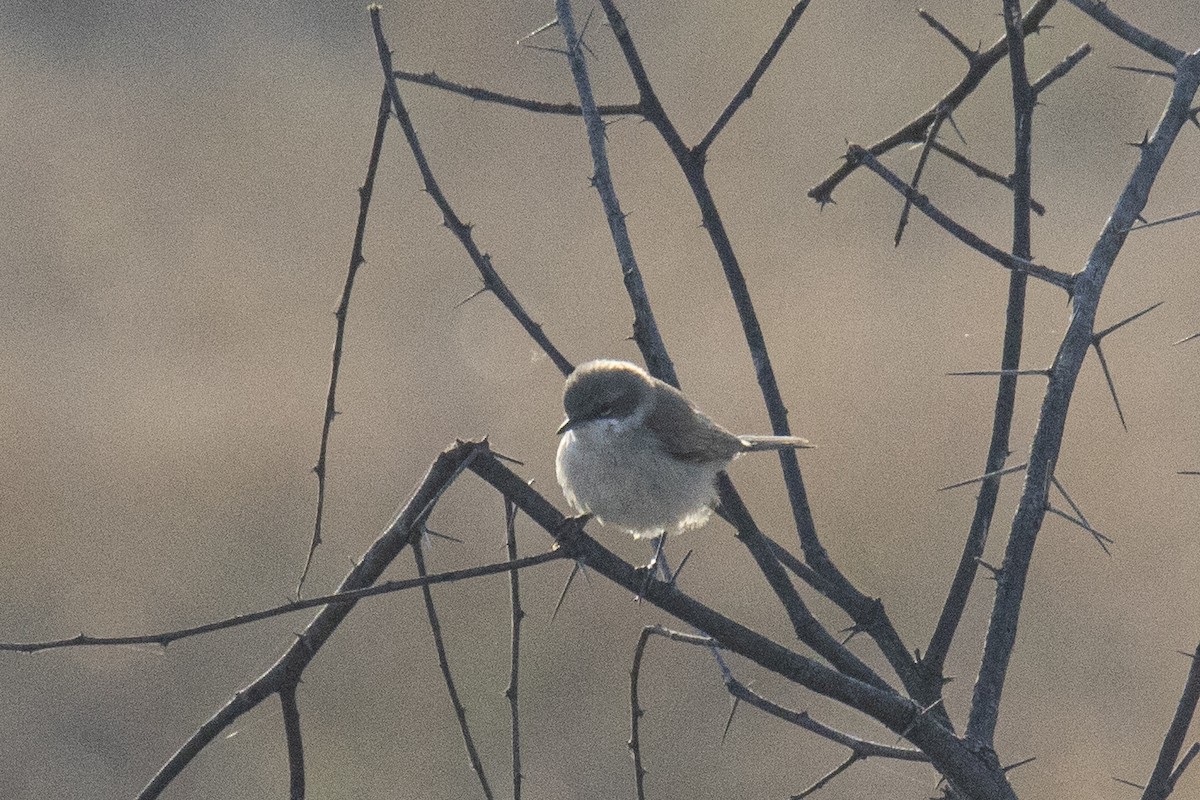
point(566, 426)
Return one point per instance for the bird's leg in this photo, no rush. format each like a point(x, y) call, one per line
point(656, 563)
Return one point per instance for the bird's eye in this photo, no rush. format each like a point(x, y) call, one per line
point(606, 410)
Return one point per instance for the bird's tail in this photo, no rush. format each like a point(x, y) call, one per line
point(755, 443)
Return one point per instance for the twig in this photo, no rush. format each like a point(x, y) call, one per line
point(1010, 359)
point(439, 644)
point(344, 597)
point(295, 744)
point(1165, 774)
point(291, 664)
point(930, 138)
point(970, 54)
point(339, 338)
point(1100, 12)
point(645, 328)
point(635, 715)
point(860, 748)
point(514, 669)
point(747, 89)
point(914, 131)
point(489, 96)
point(1060, 69)
point(1006, 260)
point(983, 172)
point(827, 777)
point(483, 262)
point(807, 628)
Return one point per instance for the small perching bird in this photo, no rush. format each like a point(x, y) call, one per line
point(637, 454)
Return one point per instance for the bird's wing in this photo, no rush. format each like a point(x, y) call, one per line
point(686, 433)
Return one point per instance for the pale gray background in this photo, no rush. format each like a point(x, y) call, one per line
point(179, 199)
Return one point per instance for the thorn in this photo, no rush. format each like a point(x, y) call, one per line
point(1187, 339)
point(985, 476)
point(430, 532)
point(563, 594)
point(1100, 538)
point(954, 126)
point(1020, 763)
point(509, 459)
point(994, 570)
point(853, 630)
point(1109, 379)
point(1137, 786)
point(540, 29)
point(1142, 144)
point(729, 721)
point(1157, 73)
point(999, 372)
point(679, 569)
point(1074, 507)
point(1096, 337)
point(471, 297)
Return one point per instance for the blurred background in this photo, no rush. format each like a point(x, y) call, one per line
point(180, 198)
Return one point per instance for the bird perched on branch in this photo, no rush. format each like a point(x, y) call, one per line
point(638, 455)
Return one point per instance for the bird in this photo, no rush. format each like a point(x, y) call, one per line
point(637, 455)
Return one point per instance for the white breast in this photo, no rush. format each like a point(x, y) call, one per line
point(618, 472)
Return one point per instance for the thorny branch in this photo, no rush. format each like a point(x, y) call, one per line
point(1047, 442)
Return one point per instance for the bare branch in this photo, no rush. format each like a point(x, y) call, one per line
point(1048, 438)
point(860, 748)
point(930, 138)
point(1060, 69)
point(969, 53)
point(1015, 29)
point(1006, 260)
point(1100, 12)
point(357, 259)
point(295, 744)
point(287, 669)
point(983, 172)
point(747, 89)
point(344, 597)
point(499, 98)
point(514, 668)
point(914, 131)
point(1165, 774)
point(435, 627)
point(645, 327)
point(635, 715)
point(462, 231)
point(948, 754)
point(827, 777)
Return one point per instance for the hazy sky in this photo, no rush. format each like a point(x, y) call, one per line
point(180, 197)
